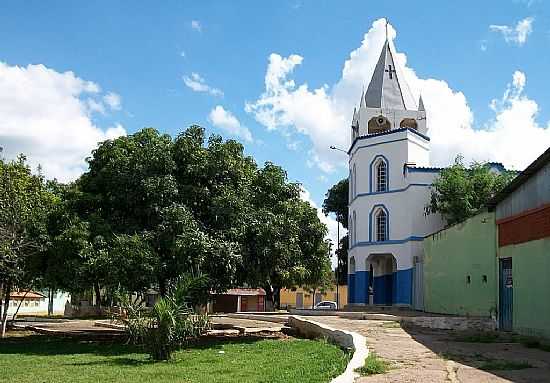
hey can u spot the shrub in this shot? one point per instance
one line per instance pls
(170, 324)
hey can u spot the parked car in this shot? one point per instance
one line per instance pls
(326, 305)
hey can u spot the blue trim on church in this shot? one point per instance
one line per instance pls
(386, 133)
(391, 191)
(412, 238)
(389, 289)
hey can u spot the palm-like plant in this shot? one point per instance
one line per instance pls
(172, 322)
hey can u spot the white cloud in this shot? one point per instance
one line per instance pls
(517, 34)
(47, 116)
(196, 83)
(226, 121)
(512, 137)
(196, 25)
(113, 100)
(182, 53)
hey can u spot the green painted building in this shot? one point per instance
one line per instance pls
(460, 268)
(522, 214)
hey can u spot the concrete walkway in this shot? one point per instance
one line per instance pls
(423, 355)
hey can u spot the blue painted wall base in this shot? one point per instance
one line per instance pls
(395, 288)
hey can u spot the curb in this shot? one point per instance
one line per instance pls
(345, 339)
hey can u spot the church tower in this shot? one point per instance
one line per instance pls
(389, 189)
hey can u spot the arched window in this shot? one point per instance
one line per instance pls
(350, 231)
(408, 123)
(381, 176)
(381, 225)
(378, 125)
(350, 187)
(354, 228)
(354, 190)
(352, 265)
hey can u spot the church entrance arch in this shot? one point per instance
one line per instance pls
(382, 282)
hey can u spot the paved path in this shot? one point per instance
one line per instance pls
(422, 355)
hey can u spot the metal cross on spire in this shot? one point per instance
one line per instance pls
(387, 21)
(390, 70)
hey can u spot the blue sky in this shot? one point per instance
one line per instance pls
(141, 52)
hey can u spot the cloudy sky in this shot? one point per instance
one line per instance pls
(282, 77)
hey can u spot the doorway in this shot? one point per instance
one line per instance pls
(299, 300)
(506, 295)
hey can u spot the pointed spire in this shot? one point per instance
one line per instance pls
(421, 105)
(387, 88)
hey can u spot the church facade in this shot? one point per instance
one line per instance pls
(390, 180)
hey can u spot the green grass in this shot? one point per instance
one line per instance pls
(374, 365)
(42, 359)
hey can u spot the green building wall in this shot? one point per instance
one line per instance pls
(467, 249)
(531, 275)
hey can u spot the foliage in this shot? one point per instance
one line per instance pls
(459, 192)
(151, 209)
(24, 206)
(171, 323)
(244, 359)
(336, 201)
(374, 365)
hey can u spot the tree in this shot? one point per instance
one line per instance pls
(132, 192)
(24, 205)
(459, 192)
(336, 202)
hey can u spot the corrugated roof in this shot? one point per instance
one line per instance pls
(244, 291)
(521, 178)
(29, 295)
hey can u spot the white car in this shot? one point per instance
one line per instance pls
(326, 305)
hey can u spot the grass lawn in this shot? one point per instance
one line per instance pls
(41, 359)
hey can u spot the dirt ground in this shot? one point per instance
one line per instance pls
(423, 355)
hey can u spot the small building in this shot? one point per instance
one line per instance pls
(522, 213)
(238, 300)
(300, 298)
(36, 303)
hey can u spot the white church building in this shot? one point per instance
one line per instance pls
(390, 181)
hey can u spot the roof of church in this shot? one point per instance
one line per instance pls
(388, 88)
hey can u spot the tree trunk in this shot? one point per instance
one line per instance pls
(277, 297)
(1, 298)
(50, 301)
(7, 292)
(97, 292)
(313, 299)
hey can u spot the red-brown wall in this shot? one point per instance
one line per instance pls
(528, 226)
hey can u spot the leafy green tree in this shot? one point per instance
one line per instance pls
(459, 192)
(133, 189)
(336, 202)
(24, 206)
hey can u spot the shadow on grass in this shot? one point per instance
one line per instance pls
(43, 345)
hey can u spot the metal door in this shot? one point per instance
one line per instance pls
(418, 286)
(299, 300)
(506, 295)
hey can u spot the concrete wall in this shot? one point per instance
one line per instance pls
(530, 268)
(451, 256)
